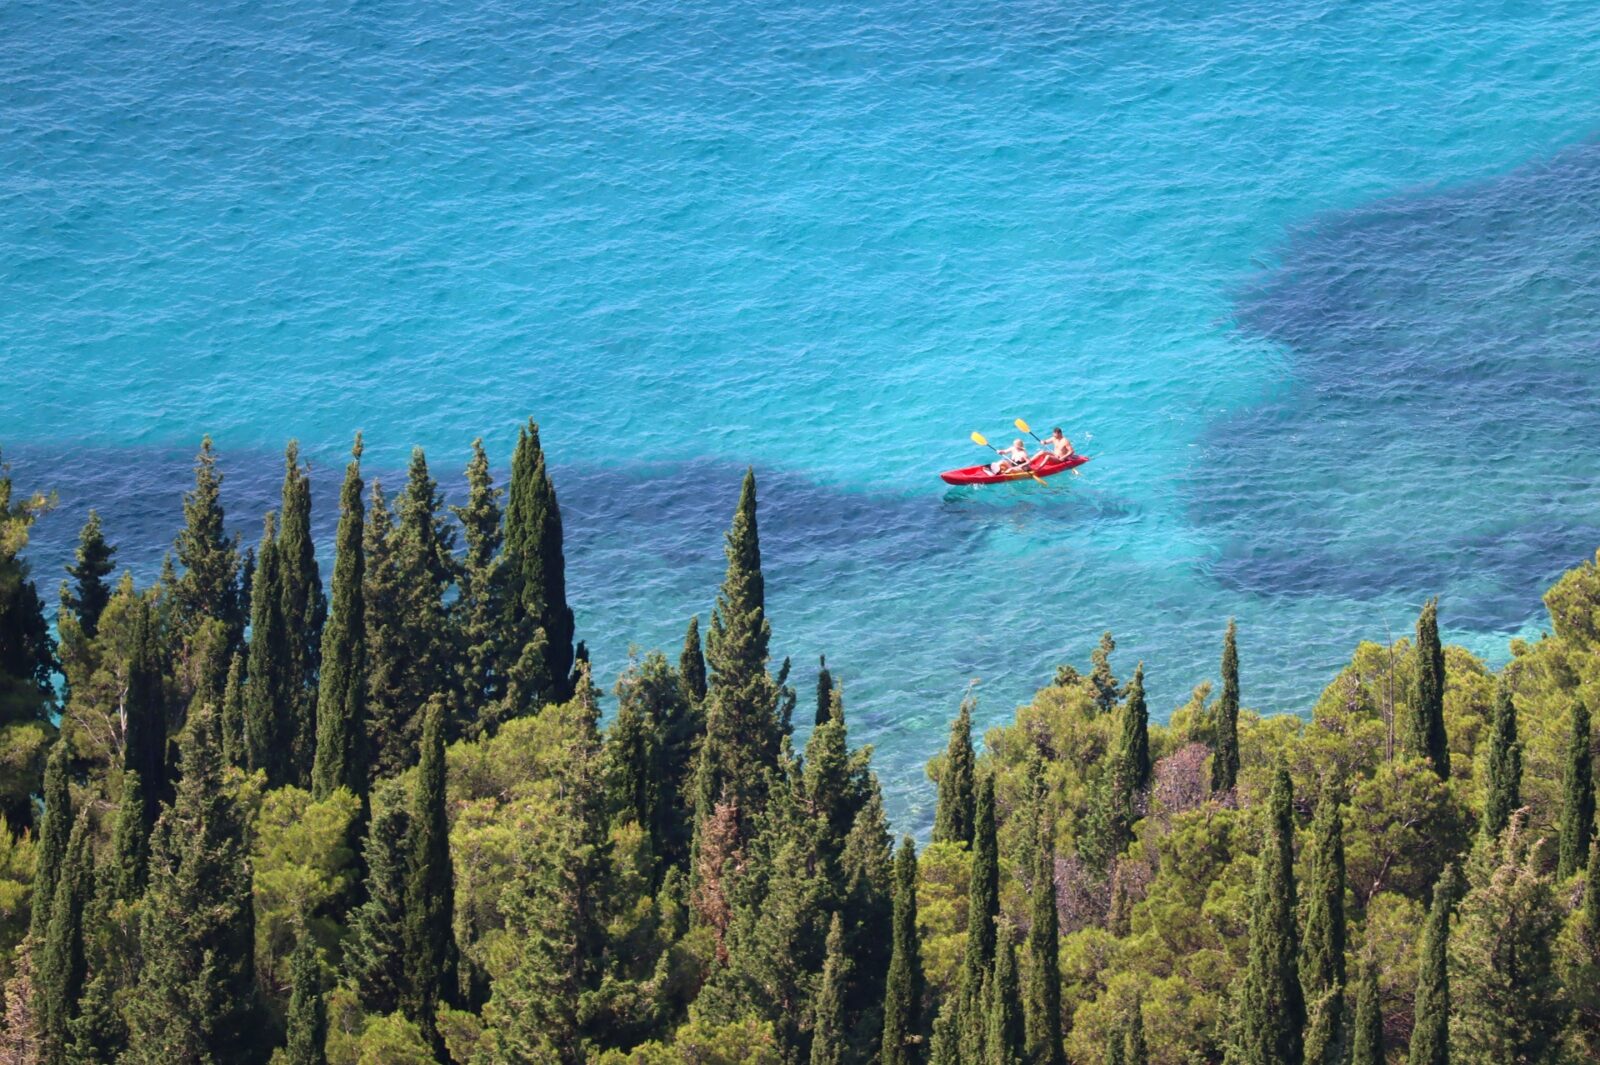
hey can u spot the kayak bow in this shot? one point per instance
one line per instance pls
(1038, 466)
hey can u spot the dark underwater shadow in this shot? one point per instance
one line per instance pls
(1441, 429)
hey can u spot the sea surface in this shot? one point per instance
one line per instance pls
(1317, 284)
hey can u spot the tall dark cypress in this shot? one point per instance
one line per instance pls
(130, 841)
(89, 593)
(1366, 1037)
(692, 662)
(210, 585)
(63, 968)
(305, 611)
(341, 759)
(268, 694)
(195, 998)
(1424, 734)
(824, 689)
(1225, 738)
(1134, 745)
(539, 620)
(956, 810)
(1503, 783)
(1271, 1011)
(903, 1020)
(828, 1045)
(234, 751)
(983, 909)
(650, 708)
(307, 1018)
(1430, 1032)
(144, 709)
(1042, 992)
(479, 607)
(742, 734)
(1134, 1049)
(430, 883)
(391, 721)
(424, 545)
(1577, 794)
(375, 961)
(1004, 1038)
(55, 829)
(1322, 971)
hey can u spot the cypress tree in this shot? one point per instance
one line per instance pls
(1225, 741)
(55, 830)
(953, 817)
(1424, 733)
(1577, 795)
(1004, 1038)
(1430, 1033)
(268, 694)
(210, 586)
(424, 545)
(1322, 971)
(341, 698)
(902, 1006)
(62, 968)
(307, 1018)
(430, 885)
(1271, 1019)
(1134, 745)
(1042, 995)
(1116, 1048)
(130, 841)
(391, 722)
(479, 605)
(1135, 1050)
(742, 733)
(89, 593)
(98, 1034)
(539, 620)
(692, 663)
(1102, 682)
(983, 909)
(650, 746)
(375, 958)
(195, 996)
(233, 731)
(1367, 1037)
(1503, 783)
(824, 689)
(828, 1034)
(304, 610)
(144, 708)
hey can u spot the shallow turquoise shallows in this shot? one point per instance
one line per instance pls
(1317, 284)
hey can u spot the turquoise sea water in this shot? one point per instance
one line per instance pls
(1316, 284)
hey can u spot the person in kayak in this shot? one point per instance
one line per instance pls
(1011, 458)
(1058, 446)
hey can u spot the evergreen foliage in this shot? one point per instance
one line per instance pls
(144, 712)
(341, 745)
(307, 1017)
(828, 1045)
(824, 689)
(89, 593)
(1135, 1051)
(1225, 733)
(1430, 1031)
(430, 946)
(692, 663)
(903, 1032)
(480, 605)
(1042, 992)
(1424, 734)
(1133, 747)
(956, 811)
(27, 662)
(1503, 783)
(62, 967)
(1367, 1029)
(1577, 794)
(130, 840)
(1322, 968)
(375, 957)
(234, 751)
(304, 611)
(55, 830)
(539, 620)
(1272, 1013)
(210, 585)
(1004, 1037)
(269, 696)
(392, 734)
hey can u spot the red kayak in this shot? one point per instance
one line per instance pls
(1038, 466)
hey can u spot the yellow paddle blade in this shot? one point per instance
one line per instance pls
(978, 438)
(1020, 424)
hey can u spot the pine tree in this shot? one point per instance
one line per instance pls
(304, 610)
(234, 751)
(1135, 1050)
(1225, 740)
(953, 817)
(1430, 1032)
(1042, 993)
(903, 1031)
(130, 841)
(1322, 971)
(1367, 1037)
(1508, 1003)
(539, 621)
(268, 693)
(742, 734)
(341, 697)
(1004, 1038)
(144, 710)
(62, 968)
(1271, 1018)
(375, 960)
(89, 593)
(430, 885)
(1577, 795)
(480, 607)
(210, 586)
(692, 663)
(1424, 734)
(824, 689)
(307, 1018)
(55, 830)
(1503, 780)
(195, 997)
(828, 1033)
